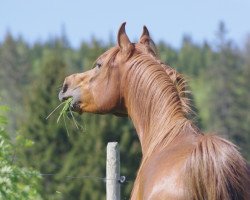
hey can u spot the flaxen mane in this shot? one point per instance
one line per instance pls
(177, 78)
(165, 93)
(181, 86)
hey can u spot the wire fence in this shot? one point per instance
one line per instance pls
(121, 180)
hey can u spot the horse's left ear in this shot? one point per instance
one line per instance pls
(145, 37)
(123, 40)
(146, 40)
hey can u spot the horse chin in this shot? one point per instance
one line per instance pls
(120, 114)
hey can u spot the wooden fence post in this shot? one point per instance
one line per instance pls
(113, 171)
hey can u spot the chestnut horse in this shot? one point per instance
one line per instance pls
(178, 160)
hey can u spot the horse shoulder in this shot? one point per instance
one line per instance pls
(162, 175)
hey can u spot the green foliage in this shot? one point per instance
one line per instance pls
(50, 140)
(224, 74)
(14, 64)
(190, 58)
(15, 182)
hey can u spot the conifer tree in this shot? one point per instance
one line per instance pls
(15, 66)
(15, 182)
(224, 95)
(244, 102)
(50, 139)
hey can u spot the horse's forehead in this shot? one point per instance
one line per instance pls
(107, 54)
(115, 53)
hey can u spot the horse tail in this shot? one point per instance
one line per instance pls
(216, 171)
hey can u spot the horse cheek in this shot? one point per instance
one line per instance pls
(107, 98)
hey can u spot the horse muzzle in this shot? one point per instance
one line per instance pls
(75, 104)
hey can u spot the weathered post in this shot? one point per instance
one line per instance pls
(113, 171)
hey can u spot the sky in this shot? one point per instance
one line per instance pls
(166, 20)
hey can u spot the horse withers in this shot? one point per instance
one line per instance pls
(179, 162)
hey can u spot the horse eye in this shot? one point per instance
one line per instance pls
(98, 65)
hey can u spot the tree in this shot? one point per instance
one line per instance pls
(14, 76)
(15, 182)
(190, 58)
(200, 86)
(167, 54)
(224, 101)
(51, 142)
(244, 103)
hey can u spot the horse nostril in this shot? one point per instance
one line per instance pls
(65, 98)
(62, 97)
(65, 88)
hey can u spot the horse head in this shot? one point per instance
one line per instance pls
(101, 89)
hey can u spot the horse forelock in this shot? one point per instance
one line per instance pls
(109, 56)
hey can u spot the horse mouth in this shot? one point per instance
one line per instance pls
(75, 106)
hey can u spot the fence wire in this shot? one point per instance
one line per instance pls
(121, 179)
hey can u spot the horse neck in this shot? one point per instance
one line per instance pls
(153, 105)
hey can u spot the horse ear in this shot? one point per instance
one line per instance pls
(145, 37)
(146, 40)
(122, 38)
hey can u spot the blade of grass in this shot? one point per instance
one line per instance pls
(77, 124)
(54, 110)
(65, 125)
(65, 108)
(74, 120)
(63, 114)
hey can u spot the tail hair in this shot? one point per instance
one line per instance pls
(216, 171)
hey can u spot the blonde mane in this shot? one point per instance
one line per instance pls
(168, 106)
(181, 86)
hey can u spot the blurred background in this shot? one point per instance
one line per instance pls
(41, 42)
